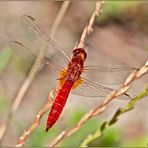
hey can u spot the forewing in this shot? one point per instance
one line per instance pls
(106, 75)
(43, 42)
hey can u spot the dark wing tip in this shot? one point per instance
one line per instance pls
(14, 43)
(137, 69)
(127, 95)
(27, 17)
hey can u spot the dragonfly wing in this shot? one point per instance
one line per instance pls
(51, 71)
(90, 89)
(49, 77)
(29, 55)
(106, 75)
(43, 42)
(22, 52)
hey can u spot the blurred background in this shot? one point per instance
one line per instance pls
(119, 39)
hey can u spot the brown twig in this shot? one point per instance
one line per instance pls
(99, 109)
(37, 119)
(34, 70)
(89, 27)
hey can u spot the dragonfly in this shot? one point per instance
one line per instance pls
(69, 73)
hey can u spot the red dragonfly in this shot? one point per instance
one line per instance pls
(70, 73)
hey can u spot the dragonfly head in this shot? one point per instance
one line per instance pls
(79, 52)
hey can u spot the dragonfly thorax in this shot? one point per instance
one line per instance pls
(76, 64)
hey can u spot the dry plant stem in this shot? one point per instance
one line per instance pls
(37, 119)
(59, 17)
(89, 27)
(25, 86)
(101, 108)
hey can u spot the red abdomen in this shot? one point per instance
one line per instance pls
(59, 104)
